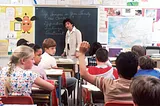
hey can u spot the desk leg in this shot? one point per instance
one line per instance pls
(59, 88)
(51, 99)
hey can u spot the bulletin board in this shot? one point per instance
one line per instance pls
(11, 29)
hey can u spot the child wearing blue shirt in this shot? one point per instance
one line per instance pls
(147, 67)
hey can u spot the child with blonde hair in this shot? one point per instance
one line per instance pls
(16, 79)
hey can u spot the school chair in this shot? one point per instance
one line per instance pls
(16, 100)
(119, 104)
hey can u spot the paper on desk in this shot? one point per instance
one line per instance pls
(91, 87)
(53, 71)
(65, 60)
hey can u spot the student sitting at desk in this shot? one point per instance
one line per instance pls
(102, 69)
(113, 90)
(92, 51)
(37, 58)
(16, 79)
(48, 61)
(139, 50)
(145, 91)
(147, 67)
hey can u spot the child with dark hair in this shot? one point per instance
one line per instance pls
(22, 42)
(92, 52)
(139, 50)
(145, 91)
(73, 39)
(147, 67)
(37, 58)
(113, 90)
(101, 69)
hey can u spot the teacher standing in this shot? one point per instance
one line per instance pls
(73, 39)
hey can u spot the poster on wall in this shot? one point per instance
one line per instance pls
(16, 22)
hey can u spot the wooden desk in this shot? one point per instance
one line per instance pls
(56, 73)
(41, 95)
(67, 64)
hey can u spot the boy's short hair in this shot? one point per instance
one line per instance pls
(126, 64)
(67, 20)
(94, 47)
(102, 55)
(146, 62)
(139, 50)
(48, 42)
(146, 91)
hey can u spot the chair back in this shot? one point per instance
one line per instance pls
(119, 104)
(16, 100)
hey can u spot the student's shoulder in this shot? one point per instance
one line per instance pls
(105, 81)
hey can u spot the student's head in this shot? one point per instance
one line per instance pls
(68, 23)
(37, 53)
(101, 55)
(22, 42)
(22, 57)
(145, 91)
(139, 50)
(49, 45)
(94, 47)
(126, 64)
(146, 62)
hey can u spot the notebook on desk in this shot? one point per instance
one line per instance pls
(53, 71)
(91, 87)
(65, 60)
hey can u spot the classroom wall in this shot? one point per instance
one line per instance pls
(127, 8)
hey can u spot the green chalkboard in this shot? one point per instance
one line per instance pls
(49, 24)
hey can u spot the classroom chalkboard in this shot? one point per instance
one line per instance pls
(49, 24)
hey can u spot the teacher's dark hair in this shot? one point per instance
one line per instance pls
(67, 20)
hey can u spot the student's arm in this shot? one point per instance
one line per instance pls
(84, 74)
(44, 84)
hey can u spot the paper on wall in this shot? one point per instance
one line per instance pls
(97, 2)
(10, 13)
(62, 2)
(3, 47)
(12, 44)
(114, 2)
(4, 29)
(11, 35)
(19, 10)
(16, 2)
(51, 2)
(74, 2)
(41, 1)
(87, 2)
(4, 1)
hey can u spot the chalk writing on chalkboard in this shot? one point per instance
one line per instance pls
(55, 27)
(50, 24)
